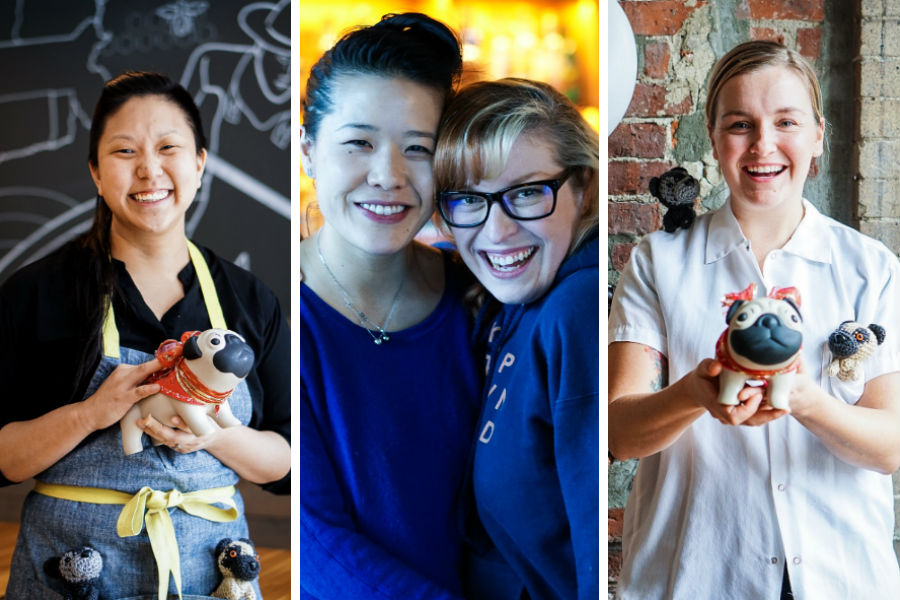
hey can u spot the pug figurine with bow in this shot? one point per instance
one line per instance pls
(199, 373)
(763, 341)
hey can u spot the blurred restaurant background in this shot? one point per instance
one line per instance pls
(555, 41)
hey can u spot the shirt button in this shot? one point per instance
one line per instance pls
(780, 487)
(774, 560)
(796, 560)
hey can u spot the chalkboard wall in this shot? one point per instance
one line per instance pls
(233, 57)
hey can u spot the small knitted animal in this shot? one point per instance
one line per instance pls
(79, 571)
(676, 190)
(239, 565)
(850, 344)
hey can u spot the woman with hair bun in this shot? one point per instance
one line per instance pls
(388, 383)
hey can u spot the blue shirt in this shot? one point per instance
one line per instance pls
(385, 432)
(536, 469)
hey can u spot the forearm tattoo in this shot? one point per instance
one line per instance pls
(659, 377)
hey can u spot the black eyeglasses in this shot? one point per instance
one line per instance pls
(523, 202)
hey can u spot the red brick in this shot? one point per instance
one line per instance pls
(620, 255)
(647, 101)
(638, 140)
(613, 565)
(658, 17)
(682, 108)
(809, 42)
(632, 217)
(656, 60)
(767, 33)
(615, 517)
(804, 10)
(633, 177)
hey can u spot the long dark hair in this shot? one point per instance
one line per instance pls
(97, 279)
(409, 45)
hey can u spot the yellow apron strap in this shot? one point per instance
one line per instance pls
(153, 506)
(110, 333)
(213, 308)
(216, 317)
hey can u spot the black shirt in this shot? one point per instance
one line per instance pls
(42, 336)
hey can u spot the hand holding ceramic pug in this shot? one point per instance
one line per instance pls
(763, 341)
(200, 372)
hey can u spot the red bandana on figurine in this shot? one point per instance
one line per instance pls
(763, 341)
(176, 379)
(199, 373)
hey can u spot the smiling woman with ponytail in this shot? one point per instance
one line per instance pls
(78, 330)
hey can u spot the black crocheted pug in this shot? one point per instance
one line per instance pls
(850, 344)
(239, 564)
(676, 190)
(79, 571)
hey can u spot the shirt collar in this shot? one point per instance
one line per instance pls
(725, 235)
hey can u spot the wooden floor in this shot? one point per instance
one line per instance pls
(274, 578)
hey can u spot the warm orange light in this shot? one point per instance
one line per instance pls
(592, 115)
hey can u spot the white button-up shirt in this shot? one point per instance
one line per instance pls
(717, 513)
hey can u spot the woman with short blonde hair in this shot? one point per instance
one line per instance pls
(516, 173)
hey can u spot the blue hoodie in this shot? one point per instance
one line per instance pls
(536, 466)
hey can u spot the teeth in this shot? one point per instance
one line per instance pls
(503, 262)
(765, 170)
(384, 209)
(151, 196)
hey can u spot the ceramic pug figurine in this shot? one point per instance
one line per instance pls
(762, 341)
(199, 373)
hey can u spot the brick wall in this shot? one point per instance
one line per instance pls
(877, 139)
(678, 42)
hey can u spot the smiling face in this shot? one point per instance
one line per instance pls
(765, 136)
(148, 169)
(517, 260)
(371, 161)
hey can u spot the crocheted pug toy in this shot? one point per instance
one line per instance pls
(239, 565)
(199, 373)
(79, 571)
(763, 341)
(676, 190)
(850, 344)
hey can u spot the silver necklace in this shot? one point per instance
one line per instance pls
(378, 333)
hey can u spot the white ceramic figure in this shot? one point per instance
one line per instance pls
(198, 375)
(762, 342)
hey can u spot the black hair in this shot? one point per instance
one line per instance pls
(98, 277)
(409, 45)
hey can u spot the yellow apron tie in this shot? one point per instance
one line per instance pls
(152, 505)
(207, 287)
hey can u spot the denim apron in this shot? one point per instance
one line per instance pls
(51, 526)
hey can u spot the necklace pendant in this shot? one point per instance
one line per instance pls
(378, 341)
